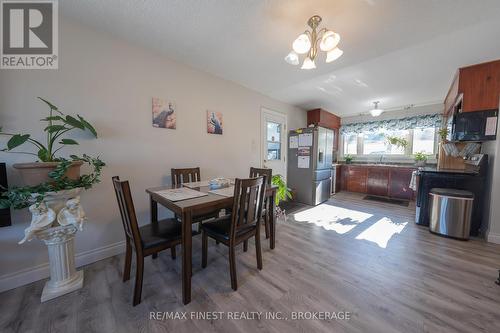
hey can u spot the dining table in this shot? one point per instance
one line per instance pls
(199, 206)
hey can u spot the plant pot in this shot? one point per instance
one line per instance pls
(37, 173)
(420, 163)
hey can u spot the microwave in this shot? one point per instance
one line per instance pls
(475, 126)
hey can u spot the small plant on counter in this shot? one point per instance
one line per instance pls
(283, 193)
(443, 134)
(420, 158)
(396, 141)
(348, 158)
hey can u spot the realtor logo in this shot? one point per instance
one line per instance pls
(29, 34)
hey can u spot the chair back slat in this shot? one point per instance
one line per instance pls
(247, 206)
(185, 175)
(127, 211)
(257, 172)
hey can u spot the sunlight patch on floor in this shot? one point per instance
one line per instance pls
(382, 231)
(340, 220)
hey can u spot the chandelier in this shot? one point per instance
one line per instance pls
(309, 41)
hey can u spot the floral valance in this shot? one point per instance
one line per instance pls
(429, 120)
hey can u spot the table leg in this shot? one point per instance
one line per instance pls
(154, 217)
(154, 210)
(272, 221)
(187, 238)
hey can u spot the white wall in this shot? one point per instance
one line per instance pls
(111, 83)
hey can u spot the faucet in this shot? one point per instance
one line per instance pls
(381, 158)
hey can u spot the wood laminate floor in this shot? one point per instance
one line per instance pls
(349, 254)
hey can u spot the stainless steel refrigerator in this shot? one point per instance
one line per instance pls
(310, 163)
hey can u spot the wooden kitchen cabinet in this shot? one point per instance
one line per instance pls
(323, 118)
(399, 184)
(356, 181)
(384, 181)
(378, 181)
(478, 86)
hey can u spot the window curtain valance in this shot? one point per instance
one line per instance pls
(429, 120)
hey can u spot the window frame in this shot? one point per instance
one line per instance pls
(406, 157)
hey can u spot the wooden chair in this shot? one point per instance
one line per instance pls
(146, 240)
(186, 175)
(268, 173)
(241, 225)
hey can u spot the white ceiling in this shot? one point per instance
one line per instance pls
(399, 52)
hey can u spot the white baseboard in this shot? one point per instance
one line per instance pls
(493, 238)
(26, 276)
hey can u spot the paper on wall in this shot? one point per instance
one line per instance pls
(305, 139)
(294, 141)
(491, 126)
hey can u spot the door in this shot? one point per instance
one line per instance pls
(273, 141)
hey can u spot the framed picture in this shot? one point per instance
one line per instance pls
(214, 122)
(164, 115)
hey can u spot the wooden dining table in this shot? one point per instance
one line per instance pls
(189, 208)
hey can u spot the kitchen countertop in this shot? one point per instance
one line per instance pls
(436, 170)
(384, 165)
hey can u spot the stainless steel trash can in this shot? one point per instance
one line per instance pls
(450, 212)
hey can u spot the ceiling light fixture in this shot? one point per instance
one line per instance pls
(309, 41)
(375, 112)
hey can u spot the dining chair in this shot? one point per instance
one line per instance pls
(257, 172)
(146, 240)
(187, 175)
(240, 226)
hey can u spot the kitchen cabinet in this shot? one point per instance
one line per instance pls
(323, 118)
(477, 86)
(379, 180)
(356, 179)
(399, 184)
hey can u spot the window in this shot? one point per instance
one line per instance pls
(423, 140)
(375, 143)
(351, 144)
(273, 141)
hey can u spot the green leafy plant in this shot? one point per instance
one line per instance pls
(57, 125)
(348, 158)
(283, 191)
(22, 197)
(420, 157)
(443, 133)
(397, 141)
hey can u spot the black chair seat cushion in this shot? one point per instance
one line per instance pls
(219, 229)
(165, 231)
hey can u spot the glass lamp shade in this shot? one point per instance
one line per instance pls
(333, 54)
(302, 44)
(292, 58)
(329, 41)
(376, 112)
(308, 64)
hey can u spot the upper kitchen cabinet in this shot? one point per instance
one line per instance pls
(323, 118)
(476, 88)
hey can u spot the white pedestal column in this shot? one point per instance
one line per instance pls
(63, 276)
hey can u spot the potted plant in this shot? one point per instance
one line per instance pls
(283, 193)
(397, 141)
(420, 159)
(56, 126)
(348, 158)
(51, 191)
(443, 134)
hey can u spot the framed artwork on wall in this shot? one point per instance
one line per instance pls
(164, 114)
(214, 122)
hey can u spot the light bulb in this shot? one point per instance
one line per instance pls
(292, 58)
(308, 64)
(302, 44)
(334, 54)
(329, 41)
